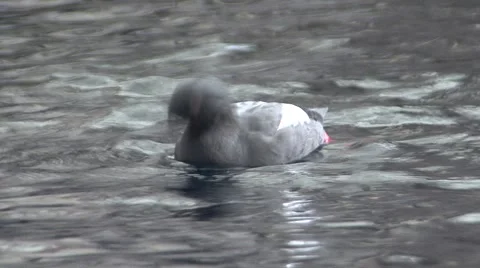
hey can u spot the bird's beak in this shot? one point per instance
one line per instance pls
(327, 138)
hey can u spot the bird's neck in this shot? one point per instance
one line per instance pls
(211, 117)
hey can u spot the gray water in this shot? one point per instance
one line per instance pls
(86, 169)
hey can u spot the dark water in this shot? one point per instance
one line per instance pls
(86, 172)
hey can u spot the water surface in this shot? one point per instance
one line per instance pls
(86, 167)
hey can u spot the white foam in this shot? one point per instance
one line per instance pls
(366, 83)
(27, 125)
(147, 87)
(384, 116)
(324, 44)
(205, 51)
(438, 139)
(446, 82)
(472, 112)
(135, 117)
(82, 81)
(147, 147)
(468, 218)
(465, 184)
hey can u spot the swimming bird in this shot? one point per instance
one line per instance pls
(221, 133)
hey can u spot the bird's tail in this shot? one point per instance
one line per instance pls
(317, 114)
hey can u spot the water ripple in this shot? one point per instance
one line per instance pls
(86, 163)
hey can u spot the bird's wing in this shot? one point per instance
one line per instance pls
(269, 117)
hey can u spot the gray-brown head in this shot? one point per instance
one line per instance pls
(202, 101)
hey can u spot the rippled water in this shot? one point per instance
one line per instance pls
(87, 174)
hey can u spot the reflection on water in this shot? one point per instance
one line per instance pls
(300, 246)
(86, 167)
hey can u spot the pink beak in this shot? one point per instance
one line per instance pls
(327, 138)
